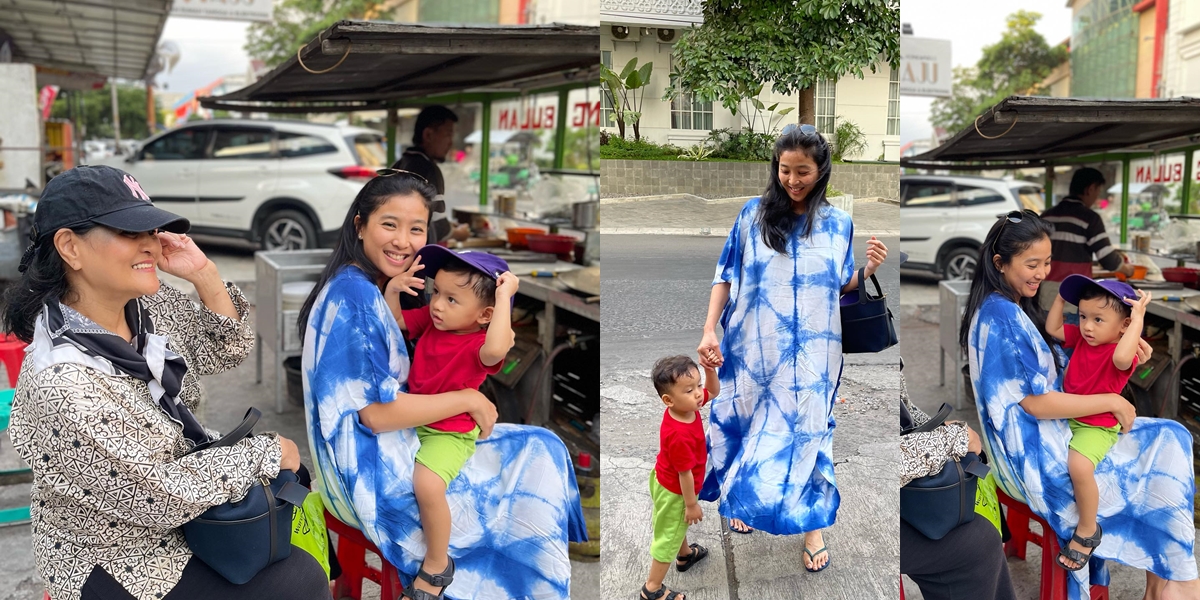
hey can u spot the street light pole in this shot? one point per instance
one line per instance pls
(112, 85)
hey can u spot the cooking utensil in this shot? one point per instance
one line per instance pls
(585, 215)
(1187, 276)
(542, 274)
(562, 245)
(585, 281)
(1156, 285)
(518, 236)
(1193, 302)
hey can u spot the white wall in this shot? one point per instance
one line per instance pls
(21, 127)
(863, 101)
(575, 12)
(1181, 52)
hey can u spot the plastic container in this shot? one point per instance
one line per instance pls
(517, 236)
(562, 245)
(1186, 276)
(295, 293)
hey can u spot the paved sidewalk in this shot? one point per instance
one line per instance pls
(684, 214)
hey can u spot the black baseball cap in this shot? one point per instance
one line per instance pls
(103, 195)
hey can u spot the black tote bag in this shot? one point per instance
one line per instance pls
(867, 324)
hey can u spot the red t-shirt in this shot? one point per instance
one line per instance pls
(680, 448)
(1091, 371)
(445, 362)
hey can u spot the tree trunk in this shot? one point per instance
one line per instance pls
(808, 106)
(637, 134)
(621, 126)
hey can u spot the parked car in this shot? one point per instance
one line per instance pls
(944, 218)
(284, 184)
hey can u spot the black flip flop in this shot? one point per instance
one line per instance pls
(749, 530)
(1076, 556)
(649, 595)
(696, 555)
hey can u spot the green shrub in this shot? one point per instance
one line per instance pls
(639, 150)
(742, 145)
(848, 140)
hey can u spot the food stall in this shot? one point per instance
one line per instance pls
(1042, 133)
(551, 376)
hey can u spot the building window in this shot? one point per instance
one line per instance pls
(687, 112)
(826, 105)
(893, 122)
(606, 106)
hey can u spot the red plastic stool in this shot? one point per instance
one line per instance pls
(12, 352)
(352, 547)
(901, 588)
(1054, 577)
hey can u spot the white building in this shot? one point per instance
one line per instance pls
(1181, 51)
(648, 30)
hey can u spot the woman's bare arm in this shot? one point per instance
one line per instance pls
(412, 410)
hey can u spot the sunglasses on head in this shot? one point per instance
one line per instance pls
(1015, 216)
(390, 172)
(806, 129)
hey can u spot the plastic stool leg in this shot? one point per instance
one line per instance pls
(1018, 527)
(353, 560)
(902, 588)
(391, 587)
(1099, 592)
(1054, 577)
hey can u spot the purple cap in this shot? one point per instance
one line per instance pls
(435, 257)
(1073, 286)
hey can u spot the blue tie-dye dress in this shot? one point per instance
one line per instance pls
(770, 432)
(1146, 481)
(515, 504)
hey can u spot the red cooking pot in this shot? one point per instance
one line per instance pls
(1187, 276)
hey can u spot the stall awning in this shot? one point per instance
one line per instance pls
(1029, 131)
(370, 64)
(111, 38)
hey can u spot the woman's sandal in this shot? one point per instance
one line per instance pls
(812, 557)
(655, 595)
(1076, 556)
(441, 580)
(696, 555)
(747, 531)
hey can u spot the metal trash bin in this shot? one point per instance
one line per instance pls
(953, 302)
(276, 327)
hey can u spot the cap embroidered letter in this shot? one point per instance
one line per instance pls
(135, 187)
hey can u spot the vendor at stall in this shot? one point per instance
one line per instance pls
(1079, 235)
(433, 136)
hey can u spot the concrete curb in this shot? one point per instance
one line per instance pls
(713, 231)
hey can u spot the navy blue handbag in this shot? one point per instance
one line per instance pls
(936, 504)
(866, 321)
(239, 539)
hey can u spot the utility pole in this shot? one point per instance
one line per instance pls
(112, 85)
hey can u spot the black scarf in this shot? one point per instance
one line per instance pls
(147, 354)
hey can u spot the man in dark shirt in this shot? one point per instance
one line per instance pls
(1079, 235)
(433, 136)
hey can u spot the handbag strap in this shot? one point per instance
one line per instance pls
(238, 434)
(933, 423)
(864, 295)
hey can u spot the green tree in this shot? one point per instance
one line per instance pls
(790, 43)
(95, 122)
(297, 22)
(1017, 64)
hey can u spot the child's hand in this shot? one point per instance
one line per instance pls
(693, 514)
(407, 282)
(1139, 305)
(506, 285)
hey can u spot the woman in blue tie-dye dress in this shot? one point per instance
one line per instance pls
(515, 504)
(1146, 481)
(788, 259)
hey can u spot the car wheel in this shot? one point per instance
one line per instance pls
(287, 230)
(959, 264)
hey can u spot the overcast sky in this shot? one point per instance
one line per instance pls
(969, 25)
(208, 49)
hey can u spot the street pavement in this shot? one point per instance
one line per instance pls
(656, 291)
(919, 344)
(226, 398)
(685, 214)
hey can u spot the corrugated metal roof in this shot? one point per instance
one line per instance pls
(113, 38)
(382, 61)
(1029, 130)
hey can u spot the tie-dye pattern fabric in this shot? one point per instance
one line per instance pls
(771, 428)
(514, 506)
(1146, 481)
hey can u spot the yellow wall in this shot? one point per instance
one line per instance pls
(510, 12)
(1145, 60)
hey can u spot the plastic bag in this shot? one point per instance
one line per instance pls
(308, 530)
(986, 502)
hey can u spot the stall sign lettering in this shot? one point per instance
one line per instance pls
(1163, 173)
(542, 117)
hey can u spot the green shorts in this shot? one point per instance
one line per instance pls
(669, 522)
(1092, 441)
(445, 452)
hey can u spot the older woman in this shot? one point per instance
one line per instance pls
(789, 257)
(104, 401)
(514, 506)
(1146, 481)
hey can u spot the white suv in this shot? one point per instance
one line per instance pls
(944, 218)
(284, 184)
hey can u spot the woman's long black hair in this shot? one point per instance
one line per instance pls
(1008, 240)
(43, 279)
(776, 217)
(348, 249)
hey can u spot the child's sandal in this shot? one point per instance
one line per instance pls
(696, 555)
(1076, 556)
(655, 595)
(441, 580)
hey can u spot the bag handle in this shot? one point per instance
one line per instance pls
(864, 295)
(238, 434)
(933, 423)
